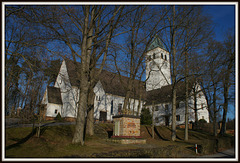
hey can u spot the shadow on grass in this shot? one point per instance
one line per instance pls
(158, 134)
(148, 131)
(176, 133)
(21, 141)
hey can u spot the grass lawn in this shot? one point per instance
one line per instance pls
(55, 142)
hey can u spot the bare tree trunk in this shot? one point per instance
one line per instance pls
(195, 108)
(174, 115)
(133, 106)
(78, 136)
(174, 97)
(153, 110)
(225, 109)
(40, 120)
(126, 100)
(186, 98)
(139, 104)
(90, 114)
(80, 127)
(214, 112)
(226, 92)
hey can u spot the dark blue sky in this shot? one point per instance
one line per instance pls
(223, 17)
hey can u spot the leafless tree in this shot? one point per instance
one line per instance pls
(228, 71)
(210, 82)
(24, 78)
(141, 26)
(86, 31)
(188, 30)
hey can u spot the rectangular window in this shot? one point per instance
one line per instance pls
(178, 117)
(156, 120)
(154, 56)
(202, 117)
(112, 107)
(98, 98)
(157, 108)
(166, 57)
(56, 111)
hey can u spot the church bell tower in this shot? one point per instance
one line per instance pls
(157, 65)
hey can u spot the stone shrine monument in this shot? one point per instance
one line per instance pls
(126, 130)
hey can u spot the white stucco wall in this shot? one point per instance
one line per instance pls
(202, 111)
(108, 101)
(50, 112)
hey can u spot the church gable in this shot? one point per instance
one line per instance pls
(63, 80)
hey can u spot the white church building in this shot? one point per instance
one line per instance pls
(110, 92)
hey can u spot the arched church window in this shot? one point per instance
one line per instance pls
(154, 56)
(162, 55)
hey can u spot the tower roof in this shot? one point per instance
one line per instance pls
(156, 43)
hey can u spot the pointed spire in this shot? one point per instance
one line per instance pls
(156, 43)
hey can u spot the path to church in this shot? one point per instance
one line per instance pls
(230, 153)
(14, 123)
